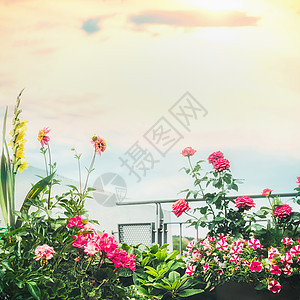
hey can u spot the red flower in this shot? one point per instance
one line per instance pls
(282, 211)
(214, 156)
(274, 286)
(244, 203)
(221, 164)
(256, 266)
(179, 207)
(266, 192)
(42, 136)
(275, 270)
(188, 151)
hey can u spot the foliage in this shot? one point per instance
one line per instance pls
(160, 275)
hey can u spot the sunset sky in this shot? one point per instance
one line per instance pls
(117, 69)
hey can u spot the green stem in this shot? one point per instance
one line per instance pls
(198, 183)
(51, 170)
(89, 172)
(46, 166)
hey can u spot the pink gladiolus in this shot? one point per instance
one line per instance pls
(282, 211)
(244, 203)
(190, 270)
(266, 192)
(274, 270)
(43, 251)
(179, 207)
(214, 156)
(188, 151)
(75, 221)
(274, 286)
(256, 266)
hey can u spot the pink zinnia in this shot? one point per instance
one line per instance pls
(274, 286)
(42, 136)
(256, 266)
(43, 251)
(179, 207)
(244, 203)
(188, 151)
(274, 270)
(221, 164)
(75, 221)
(190, 270)
(266, 192)
(99, 144)
(282, 211)
(214, 156)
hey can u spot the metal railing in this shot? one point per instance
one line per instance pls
(160, 227)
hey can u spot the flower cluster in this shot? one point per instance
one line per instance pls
(93, 243)
(45, 252)
(222, 259)
(179, 207)
(218, 161)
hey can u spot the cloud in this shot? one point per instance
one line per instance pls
(91, 26)
(198, 18)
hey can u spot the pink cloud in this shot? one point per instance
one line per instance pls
(195, 18)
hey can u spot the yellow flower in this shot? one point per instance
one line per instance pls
(24, 165)
(20, 151)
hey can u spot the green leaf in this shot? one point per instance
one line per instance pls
(34, 290)
(174, 276)
(190, 292)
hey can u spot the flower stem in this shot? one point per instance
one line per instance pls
(89, 172)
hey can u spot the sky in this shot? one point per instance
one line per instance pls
(151, 78)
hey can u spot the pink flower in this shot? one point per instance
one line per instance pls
(179, 207)
(222, 245)
(234, 259)
(244, 203)
(237, 248)
(91, 248)
(298, 178)
(43, 251)
(287, 270)
(206, 267)
(188, 151)
(221, 164)
(121, 259)
(191, 245)
(108, 244)
(99, 144)
(220, 236)
(211, 239)
(295, 250)
(266, 192)
(190, 270)
(256, 266)
(287, 259)
(287, 241)
(75, 221)
(214, 156)
(282, 211)
(254, 243)
(274, 286)
(42, 136)
(272, 252)
(274, 270)
(220, 271)
(196, 255)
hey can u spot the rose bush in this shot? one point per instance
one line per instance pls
(237, 247)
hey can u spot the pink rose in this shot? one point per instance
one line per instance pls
(274, 286)
(188, 151)
(282, 211)
(214, 156)
(256, 266)
(244, 203)
(179, 207)
(266, 192)
(43, 251)
(221, 164)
